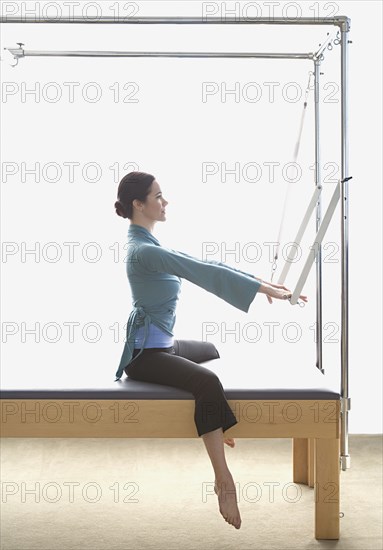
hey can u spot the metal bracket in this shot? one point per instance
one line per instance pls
(345, 404)
(345, 462)
(343, 22)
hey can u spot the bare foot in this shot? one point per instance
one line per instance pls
(229, 441)
(227, 498)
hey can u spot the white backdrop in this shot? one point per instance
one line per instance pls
(72, 128)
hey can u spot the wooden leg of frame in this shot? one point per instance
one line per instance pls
(300, 460)
(327, 488)
(311, 462)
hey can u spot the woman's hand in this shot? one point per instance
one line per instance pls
(279, 292)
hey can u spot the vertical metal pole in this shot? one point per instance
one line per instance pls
(345, 401)
(318, 221)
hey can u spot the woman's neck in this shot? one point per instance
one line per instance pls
(147, 225)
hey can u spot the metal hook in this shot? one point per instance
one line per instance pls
(273, 269)
(14, 57)
(300, 303)
(310, 85)
(329, 46)
(17, 53)
(337, 40)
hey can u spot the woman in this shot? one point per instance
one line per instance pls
(151, 354)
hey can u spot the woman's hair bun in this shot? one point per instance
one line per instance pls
(120, 209)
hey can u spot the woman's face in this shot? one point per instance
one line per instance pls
(154, 207)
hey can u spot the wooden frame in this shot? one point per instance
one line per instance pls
(314, 426)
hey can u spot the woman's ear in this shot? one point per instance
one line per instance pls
(137, 204)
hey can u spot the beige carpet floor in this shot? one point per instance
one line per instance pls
(112, 494)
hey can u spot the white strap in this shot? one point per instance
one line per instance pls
(315, 247)
(292, 252)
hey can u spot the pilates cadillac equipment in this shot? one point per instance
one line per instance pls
(167, 412)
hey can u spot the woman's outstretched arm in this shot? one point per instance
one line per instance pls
(278, 292)
(235, 287)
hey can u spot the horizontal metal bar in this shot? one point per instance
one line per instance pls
(340, 20)
(315, 247)
(18, 52)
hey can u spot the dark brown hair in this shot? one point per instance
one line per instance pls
(135, 185)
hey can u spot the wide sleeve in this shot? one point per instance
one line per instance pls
(221, 264)
(236, 288)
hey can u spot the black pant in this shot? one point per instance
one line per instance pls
(178, 366)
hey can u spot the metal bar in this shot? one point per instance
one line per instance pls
(340, 20)
(313, 250)
(319, 336)
(345, 457)
(292, 252)
(17, 52)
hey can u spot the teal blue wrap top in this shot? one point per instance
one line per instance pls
(155, 273)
